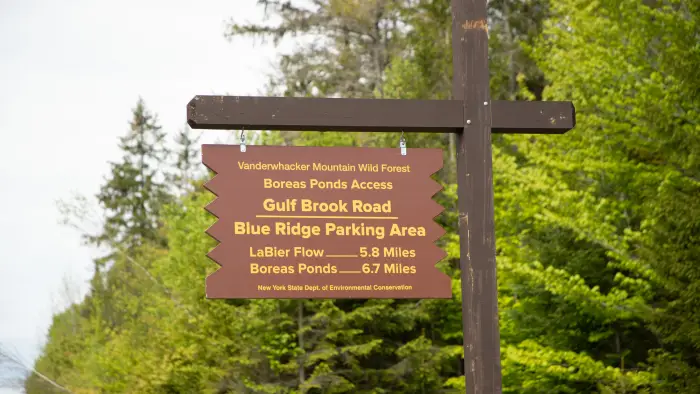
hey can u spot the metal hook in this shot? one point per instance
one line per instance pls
(402, 144)
(242, 140)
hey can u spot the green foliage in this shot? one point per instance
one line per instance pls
(133, 196)
(629, 175)
(186, 163)
(598, 231)
(349, 44)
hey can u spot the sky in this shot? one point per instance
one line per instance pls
(70, 73)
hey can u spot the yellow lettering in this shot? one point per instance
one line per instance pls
(245, 228)
(359, 206)
(388, 168)
(286, 228)
(316, 184)
(403, 231)
(271, 184)
(288, 205)
(271, 269)
(312, 206)
(371, 185)
(398, 268)
(317, 269)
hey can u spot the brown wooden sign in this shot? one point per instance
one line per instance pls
(313, 222)
(471, 114)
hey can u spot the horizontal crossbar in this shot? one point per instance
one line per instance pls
(338, 114)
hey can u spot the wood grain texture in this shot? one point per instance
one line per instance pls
(337, 114)
(482, 366)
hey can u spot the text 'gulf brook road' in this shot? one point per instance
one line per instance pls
(317, 222)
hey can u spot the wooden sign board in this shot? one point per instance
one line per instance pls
(317, 222)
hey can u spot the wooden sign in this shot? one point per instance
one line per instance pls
(471, 114)
(314, 222)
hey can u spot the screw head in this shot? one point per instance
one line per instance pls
(469, 121)
(486, 103)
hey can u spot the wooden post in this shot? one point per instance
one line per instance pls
(482, 364)
(473, 116)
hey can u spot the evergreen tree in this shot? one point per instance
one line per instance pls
(135, 193)
(597, 231)
(186, 161)
(132, 200)
(350, 44)
(629, 175)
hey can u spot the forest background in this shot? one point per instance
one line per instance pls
(598, 231)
